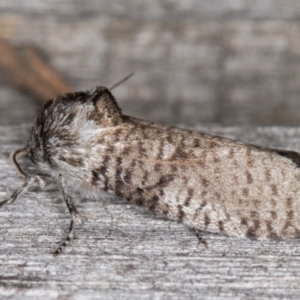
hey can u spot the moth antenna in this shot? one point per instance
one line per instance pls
(120, 82)
(14, 157)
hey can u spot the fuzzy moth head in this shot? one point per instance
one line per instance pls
(66, 122)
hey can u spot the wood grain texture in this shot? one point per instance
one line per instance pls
(230, 62)
(128, 253)
(235, 62)
(160, 9)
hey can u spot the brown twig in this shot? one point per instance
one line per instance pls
(27, 70)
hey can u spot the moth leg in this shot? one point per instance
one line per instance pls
(199, 237)
(43, 183)
(75, 216)
(20, 191)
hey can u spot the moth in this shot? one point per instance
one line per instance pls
(208, 183)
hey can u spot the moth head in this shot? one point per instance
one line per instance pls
(57, 124)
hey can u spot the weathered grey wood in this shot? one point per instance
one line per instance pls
(231, 62)
(16, 107)
(128, 253)
(159, 9)
(212, 61)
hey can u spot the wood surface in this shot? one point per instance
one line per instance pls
(226, 62)
(127, 253)
(229, 62)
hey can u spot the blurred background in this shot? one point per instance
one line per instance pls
(230, 62)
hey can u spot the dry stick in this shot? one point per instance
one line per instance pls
(31, 74)
(27, 70)
(45, 72)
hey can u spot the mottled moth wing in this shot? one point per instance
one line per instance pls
(208, 183)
